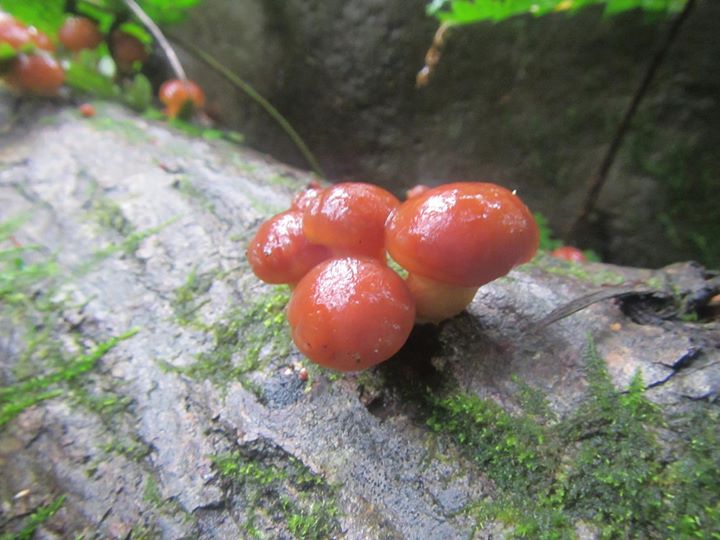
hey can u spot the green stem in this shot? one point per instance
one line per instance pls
(257, 98)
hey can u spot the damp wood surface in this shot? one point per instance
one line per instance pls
(150, 388)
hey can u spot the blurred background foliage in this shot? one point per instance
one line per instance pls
(471, 11)
(535, 110)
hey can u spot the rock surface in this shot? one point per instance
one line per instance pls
(198, 424)
(532, 102)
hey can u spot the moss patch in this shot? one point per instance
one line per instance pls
(188, 298)
(580, 271)
(243, 340)
(125, 128)
(185, 186)
(35, 520)
(278, 494)
(29, 283)
(602, 465)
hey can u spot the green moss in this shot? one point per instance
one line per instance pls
(601, 465)
(151, 492)
(128, 446)
(108, 215)
(185, 186)
(278, 491)
(128, 246)
(17, 397)
(43, 368)
(127, 129)
(105, 403)
(35, 520)
(583, 272)
(283, 181)
(187, 298)
(689, 484)
(243, 340)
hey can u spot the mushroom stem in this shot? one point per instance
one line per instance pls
(436, 301)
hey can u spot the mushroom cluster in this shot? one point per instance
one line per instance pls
(349, 310)
(29, 62)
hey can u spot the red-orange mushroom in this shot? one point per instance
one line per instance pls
(37, 73)
(350, 218)
(280, 253)
(305, 199)
(416, 190)
(454, 238)
(78, 33)
(126, 50)
(350, 313)
(569, 253)
(22, 37)
(180, 97)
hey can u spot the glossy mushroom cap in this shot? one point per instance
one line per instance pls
(126, 49)
(37, 73)
(280, 253)
(569, 253)
(464, 234)
(178, 96)
(78, 33)
(350, 313)
(350, 218)
(303, 200)
(20, 36)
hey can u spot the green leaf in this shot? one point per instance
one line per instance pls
(137, 31)
(139, 94)
(83, 74)
(46, 15)
(167, 11)
(471, 11)
(99, 14)
(7, 52)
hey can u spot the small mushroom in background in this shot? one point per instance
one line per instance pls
(569, 253)
(38, 73)
(181, 97)
(454, 238)
(78, 33)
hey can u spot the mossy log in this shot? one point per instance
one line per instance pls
(150, 388)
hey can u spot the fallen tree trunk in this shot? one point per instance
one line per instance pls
(151, 389)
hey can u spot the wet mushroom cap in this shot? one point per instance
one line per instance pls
(280, 253)
(464, 234)
(569, 253)
(350, 218)
(177, 94)
(20, 36)
(37, 73)
(350, 313)
(78, 33)
(305, 199)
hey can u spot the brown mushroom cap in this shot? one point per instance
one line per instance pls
(349, 217)
(280, 253)
(464, 234)
(351, 313)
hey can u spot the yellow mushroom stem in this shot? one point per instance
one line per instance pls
(436, 301)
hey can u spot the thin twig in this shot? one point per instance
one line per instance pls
(598, 179)
(257, 98)
(584, 301)
(154, 29)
